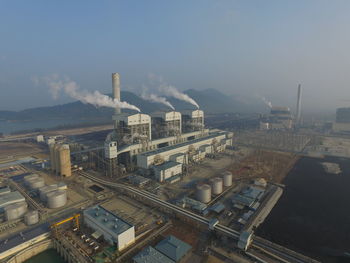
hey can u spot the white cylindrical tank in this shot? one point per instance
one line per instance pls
(216, 184)
(36, 183)
(227, 176)
(29, 178)
(15, 211)
(203, 193)
(31, 218)
(46, 189)
(56, 199)
(65, 163)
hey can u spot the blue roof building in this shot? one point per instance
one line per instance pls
(173, 248)
(151, 255)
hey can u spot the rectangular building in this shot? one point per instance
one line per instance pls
(167, 171)
(114, 230)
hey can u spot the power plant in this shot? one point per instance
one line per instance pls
(107, 196)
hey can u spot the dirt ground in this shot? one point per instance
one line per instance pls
(273, 166)
(12, 150)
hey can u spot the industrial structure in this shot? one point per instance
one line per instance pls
(113, 229)
(139, 140)
(60, 159)
(342, 122)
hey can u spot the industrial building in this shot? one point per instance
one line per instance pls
(113, 229)
(151, 255)
(280, 118)
(168, 171)
(342, 123)
(173, 248)
(142, 140)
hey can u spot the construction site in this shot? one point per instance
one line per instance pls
(133, 191)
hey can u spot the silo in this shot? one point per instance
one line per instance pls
(57, 158)
(65, 165)
(203, 193)
(15, 211)
(31, 218)
(227, 178)
(46, 189)
(56, 199)
(216, 184)
(52, 157)
(36, 183)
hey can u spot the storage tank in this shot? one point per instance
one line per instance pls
(15, 211)
(30, 177)
(65, 164)
(31, 218)
(216, 184)
(203, 193)
(62, 186)
(56, 199)
(45, 190)
(227, 176)
(36, 183)
(52, 157)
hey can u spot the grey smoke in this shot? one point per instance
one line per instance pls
(71, 88)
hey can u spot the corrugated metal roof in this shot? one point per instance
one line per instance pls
(106, 219)
(173, 248)
(151, 255)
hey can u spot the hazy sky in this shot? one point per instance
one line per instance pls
(240, 47)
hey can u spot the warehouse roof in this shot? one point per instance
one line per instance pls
(107, 220)
(151, 255)
(10, 198)
(173, 248)
(253, 192)
(218, 207)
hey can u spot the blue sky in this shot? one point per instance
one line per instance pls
(242, 47)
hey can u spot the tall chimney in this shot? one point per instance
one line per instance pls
(298, 105)
(116, 89)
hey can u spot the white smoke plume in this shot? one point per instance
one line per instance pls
(156, 98)
(71, 88)
(267, 102)
(171, 91)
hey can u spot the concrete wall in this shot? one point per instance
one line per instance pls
(24, 245)
(126, 238)
(31, 251)
(168, 173)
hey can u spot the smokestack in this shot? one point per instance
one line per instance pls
(116, 89)
(298, 105)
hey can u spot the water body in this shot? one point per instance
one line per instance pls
(7, 127)
(313, 215)
(48, 256)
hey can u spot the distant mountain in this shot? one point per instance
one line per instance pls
(210, 100)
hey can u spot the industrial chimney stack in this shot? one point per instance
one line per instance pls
(116, 89)
(298, 106)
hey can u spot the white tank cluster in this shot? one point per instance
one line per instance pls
(34, 181)
(31, 218)
(15, 211)
(217, 185)
(203, 193)
(227, 176)
(56, 199)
